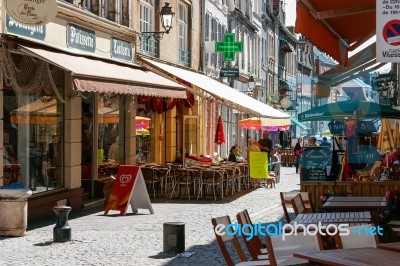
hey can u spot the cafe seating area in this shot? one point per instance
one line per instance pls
(205, 181)
(359, 247)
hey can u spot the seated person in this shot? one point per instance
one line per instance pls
(234, 154)
(390, 159)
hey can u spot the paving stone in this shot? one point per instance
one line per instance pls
(138, 239)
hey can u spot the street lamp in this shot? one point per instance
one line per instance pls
(166, 14)
(251, 83)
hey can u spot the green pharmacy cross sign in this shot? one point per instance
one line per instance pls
(229, 47)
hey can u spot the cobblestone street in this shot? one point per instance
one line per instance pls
(138, 239)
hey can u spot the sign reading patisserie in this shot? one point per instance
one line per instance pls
(32, 12)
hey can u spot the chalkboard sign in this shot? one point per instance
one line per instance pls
(316, 164)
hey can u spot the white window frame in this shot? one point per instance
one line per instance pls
(147, 24)
(183, 36)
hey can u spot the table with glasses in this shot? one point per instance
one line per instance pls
(352, 257)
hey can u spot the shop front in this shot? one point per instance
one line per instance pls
(212, 99)
(69, 109)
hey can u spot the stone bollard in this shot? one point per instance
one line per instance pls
(62, 230)
(14, 211)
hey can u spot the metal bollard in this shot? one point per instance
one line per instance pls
(62, 230)
(174, 237)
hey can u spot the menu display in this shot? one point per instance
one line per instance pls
(315, 164)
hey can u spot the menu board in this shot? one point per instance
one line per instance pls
(316, 164)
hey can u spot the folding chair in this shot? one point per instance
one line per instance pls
(225, 220)
(362, 239)
(254, 245)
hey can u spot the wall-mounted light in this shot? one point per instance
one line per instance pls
(166, 15)
(251, 83)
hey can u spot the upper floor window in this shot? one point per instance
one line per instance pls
(183, 34)
(114, 10)
(147, 24)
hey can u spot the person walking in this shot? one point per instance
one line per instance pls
(252, 147)
(265, 143)
(312, 142)
(325, 142)
(297, 152)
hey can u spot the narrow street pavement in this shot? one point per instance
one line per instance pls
(138, 239)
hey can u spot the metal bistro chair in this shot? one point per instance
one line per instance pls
(150, 178)
(211, 179)
(183, 177)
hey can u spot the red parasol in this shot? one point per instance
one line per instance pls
(219, 133)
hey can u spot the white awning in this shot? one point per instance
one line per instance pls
(92, 74)
(227, 95)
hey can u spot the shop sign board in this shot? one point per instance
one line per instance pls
(387, 31)
(121, 49)
(32, 12)
(258, 164)
(316, 163)
(229, 72)
(129, 189)
(81, 38)
(32, 31)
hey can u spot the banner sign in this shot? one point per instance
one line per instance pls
(258, 164)
(35, 32)
(129, 189)
(121, 49)
(387, 31)
(315, 163)
(229, 72)
(81, 38)
(32, 12)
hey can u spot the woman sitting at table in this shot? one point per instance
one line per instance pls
(234, 154)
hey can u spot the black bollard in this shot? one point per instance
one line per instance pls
(174, 237)
(62, 230)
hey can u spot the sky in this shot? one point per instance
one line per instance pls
(290, 8)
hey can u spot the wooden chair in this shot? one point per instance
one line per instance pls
(280, 250)
(225, 220)
(298, 204)
(362, 239)
(254, 245)
(308, 202)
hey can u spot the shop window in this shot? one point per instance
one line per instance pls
(33, 141)
(92, 6)
(143, 136)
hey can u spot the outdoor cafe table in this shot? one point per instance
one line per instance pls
(356, 199)
(395, 246)
(332, 218)
(352, 257)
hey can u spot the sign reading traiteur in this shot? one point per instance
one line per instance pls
(229, 47)
(32, 12)
(388, 30)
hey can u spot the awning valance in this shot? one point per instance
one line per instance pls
(298, 123)
(285, 46)
(336, 27)
(90, 74)
(227, 95)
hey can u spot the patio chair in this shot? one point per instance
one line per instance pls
(255, 247)
(225, 220)
(211, 179)
(150, 179)
(298, 204)
(183, 177)
(362, 239)
(280, 251)
(232, 179)
(286, 202)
